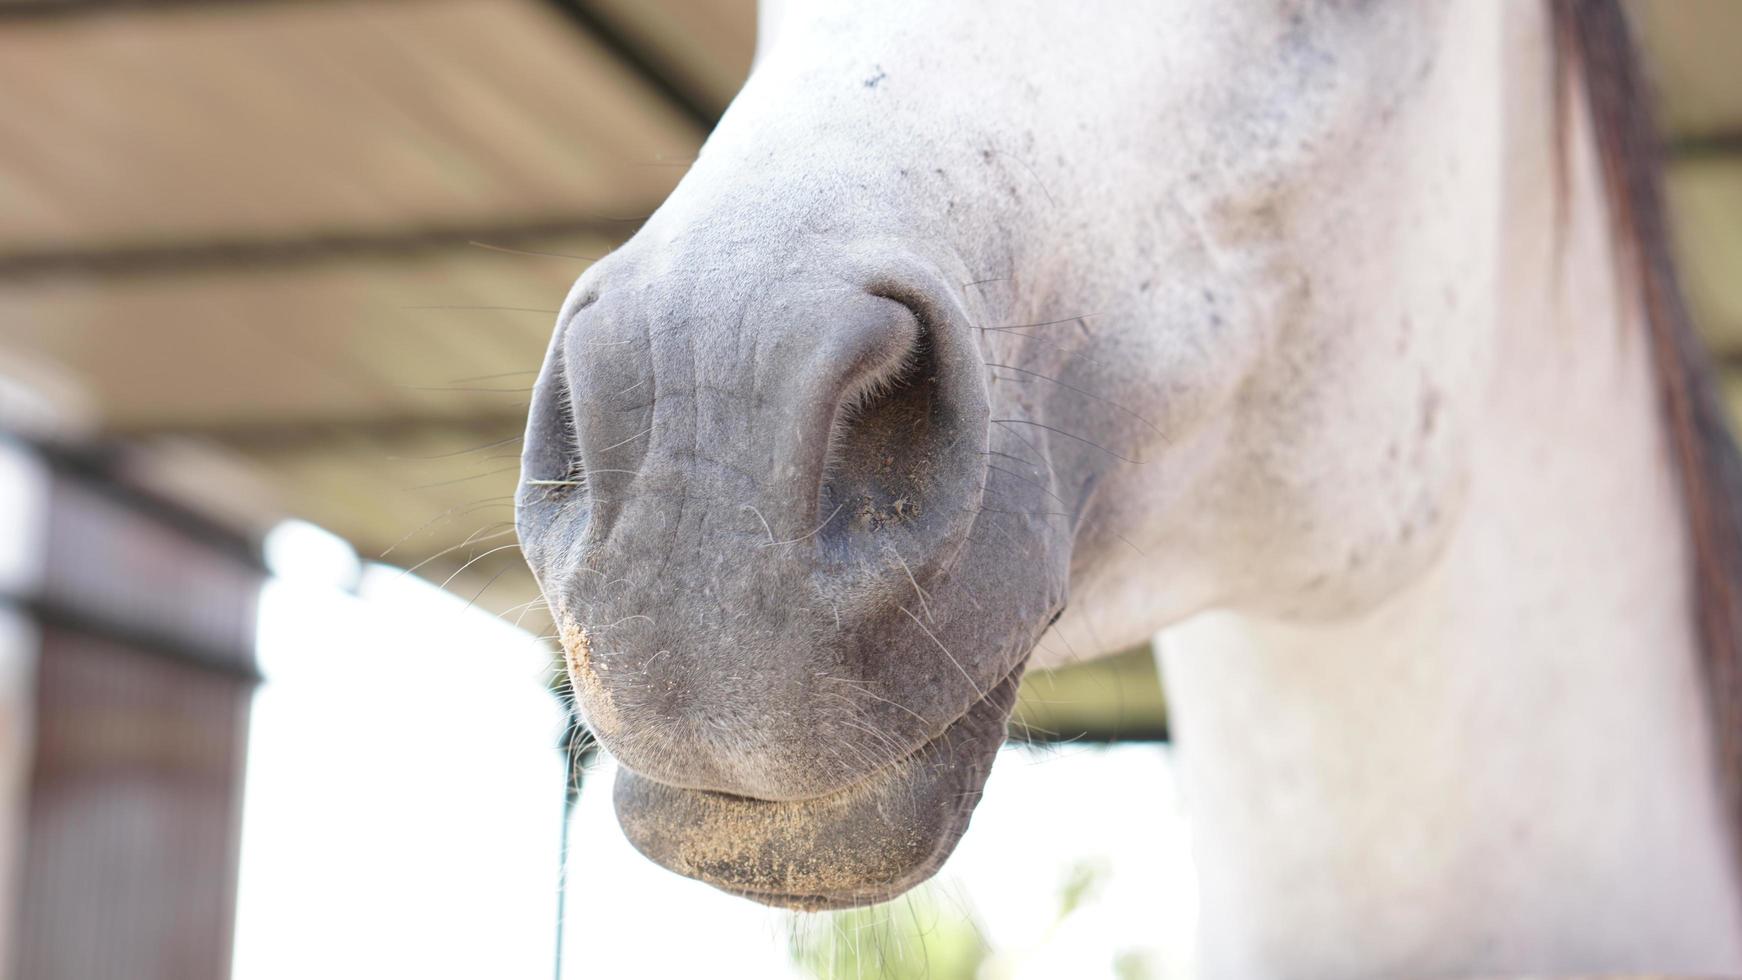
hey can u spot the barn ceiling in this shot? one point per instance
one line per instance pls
(309, 252)
(323, 240)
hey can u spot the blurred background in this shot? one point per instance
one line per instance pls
(275, 277)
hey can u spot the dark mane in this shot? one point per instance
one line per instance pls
(1595, 50)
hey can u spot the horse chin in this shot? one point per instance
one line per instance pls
(867, 843)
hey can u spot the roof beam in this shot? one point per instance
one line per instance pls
(56, 9)
(1704, 146)
(280, 436)
(644, 64)
(314, 248)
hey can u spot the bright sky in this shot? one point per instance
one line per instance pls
(403, 814)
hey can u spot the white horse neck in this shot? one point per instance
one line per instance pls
(1507, 767)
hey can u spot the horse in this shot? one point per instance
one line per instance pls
(1336, 343)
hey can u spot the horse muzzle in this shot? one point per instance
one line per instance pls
(867, 843)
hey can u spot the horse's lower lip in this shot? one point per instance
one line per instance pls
(868, 842)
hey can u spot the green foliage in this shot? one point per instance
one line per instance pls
(1080, 885)
(916, 937)
(1135, 964)
(920, 937)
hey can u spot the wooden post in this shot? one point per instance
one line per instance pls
(133, 632)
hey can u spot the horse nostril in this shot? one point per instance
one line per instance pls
(564, 472)
(901, 466)
(883, 444)
(551, 470)
(844, 419)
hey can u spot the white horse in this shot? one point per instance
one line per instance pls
(1337, 340)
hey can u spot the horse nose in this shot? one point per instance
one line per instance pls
(840, 417)
(722, 486)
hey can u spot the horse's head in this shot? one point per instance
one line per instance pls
(962, 311)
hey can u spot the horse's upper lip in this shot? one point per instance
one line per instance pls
(867, 842)
(865, 777)
(953, 724)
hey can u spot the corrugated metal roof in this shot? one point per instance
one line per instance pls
(327, 238)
